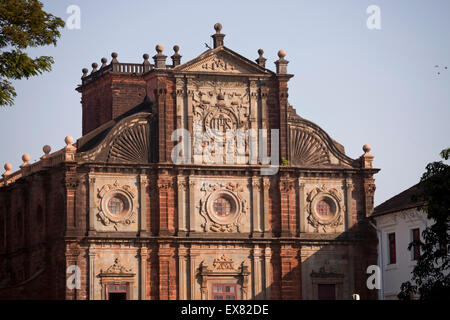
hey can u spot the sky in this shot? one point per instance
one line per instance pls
(362, 86)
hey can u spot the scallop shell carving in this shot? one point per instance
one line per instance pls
(306, 150)
(132, 145)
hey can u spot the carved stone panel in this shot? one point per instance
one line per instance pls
(222, 207)
(116, 204)
(221, 116)
(325, 209)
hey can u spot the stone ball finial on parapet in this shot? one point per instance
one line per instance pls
(25, 159)
(85, 72)
(46, 150)
(218, 27)
(159, 48)
(218, 36)
(114, 56)
(7, 167)
(261, 61)
(160, 58)
(94, 67)
(146, 64)
(281, 63)
(104, 62)
(367, 158)
(69, 141)
(176, 57)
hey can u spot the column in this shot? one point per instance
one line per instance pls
(257, 275)
(256, 223)
(349, 213)
(266, 185)
(192, 213)
(143, 183)
(181, 205)
(267, 267)
(143, 273)
(192, 269)
(91, 253)
(182, 271)
(253, 120)
(92, 206)
(301, 216)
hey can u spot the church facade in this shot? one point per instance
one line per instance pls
(193, 180)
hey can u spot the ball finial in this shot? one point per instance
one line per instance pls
(104, 60)
(85, 71)
(366, 148)
(176, 48)
(281, 54)
(114, 55)
(26, 158)
(145, 56)
(218, 27)
(68, 140)
(8, 166)
(260, 52)
(159, 48)
(94, 65)
(46, 149)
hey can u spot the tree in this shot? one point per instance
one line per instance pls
(23, 24)
(431, 275)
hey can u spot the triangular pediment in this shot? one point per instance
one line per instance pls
(222, 60)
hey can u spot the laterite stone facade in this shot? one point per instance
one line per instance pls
(116, 216)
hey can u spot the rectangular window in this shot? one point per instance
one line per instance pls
(224, 291)
(117, 291)
(392, 252)
(416, 248)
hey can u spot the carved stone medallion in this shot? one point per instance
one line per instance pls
(325, 208)
(222, 207)
(117, 205)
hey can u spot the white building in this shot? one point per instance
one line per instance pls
(398, 221)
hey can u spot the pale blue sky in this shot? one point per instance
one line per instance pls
(379, 87)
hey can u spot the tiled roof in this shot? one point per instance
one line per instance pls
(399, 202)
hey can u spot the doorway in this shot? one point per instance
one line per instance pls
(118, 292)
(326, 291)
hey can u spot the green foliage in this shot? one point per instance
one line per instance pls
(23, 24)
(284, 162)
(431, 275)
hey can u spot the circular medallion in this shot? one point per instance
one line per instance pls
(223, 207)
(117, 205)
(325, 208)
(218, 122)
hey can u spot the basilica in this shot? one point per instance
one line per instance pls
(192, 180)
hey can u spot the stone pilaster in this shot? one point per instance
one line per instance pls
(193, 256)
(182, 187)
(256, 209)
(267, 273)
(254, 115)
(182, 273)
(192, 213)
(257, 273)
(349, 201)
(266, 185)
(92, 206)
(91, 254)
(143, 183)
(301, 212)
(143, 255)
